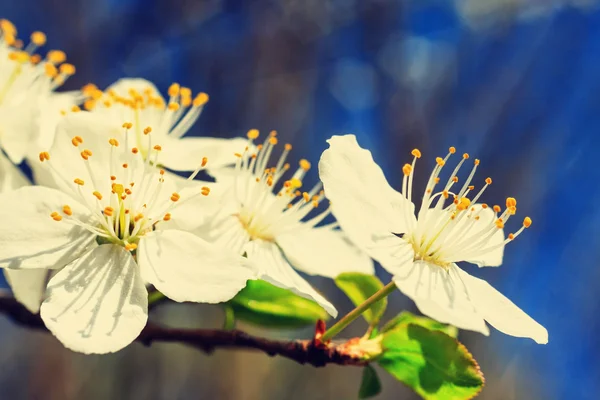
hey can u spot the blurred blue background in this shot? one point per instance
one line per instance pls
(513, 82)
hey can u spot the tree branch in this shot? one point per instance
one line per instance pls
(311, 352)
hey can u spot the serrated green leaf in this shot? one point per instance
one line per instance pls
(359, 287)
(370, 385)
(266, 305)
(405, 318)
(435, 365)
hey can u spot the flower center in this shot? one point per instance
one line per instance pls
(451, 226)
(29, 73)
(127, 198)
(269, 205)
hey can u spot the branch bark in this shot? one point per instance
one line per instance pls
(311, 352)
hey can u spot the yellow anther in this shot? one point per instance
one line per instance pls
(205, 190)
(463, 204)
(273, 140)
(204, 162)
(466, 156)
(252, 134)
(84, 155)
(452, 150)
(436, 180)
(445, 194)
(147, 130)
(128, 191)
(157, 147)
(173, 106)
(162, 172)
(76, 141)
(56, 216)
(407, 169)
(273, 133)
(484, 205)
(512, 210)
(499, 223)
(38, 38)
(315, 203)
(476, 161)
(98, 195)
(488, 181)
(455, 179)
(67, 210)
(44, 155)
(471, 187)
(167, 217)
(200, 100)
(287, 147)
(78, 181)
(511, 202)
(67, 69)
(306, 197)
(175, 196)
(527, 222)
(304, 164)
(185, 92)
(57, 57)
(113, 142)
(134, 150)
(89, 104)
(50, 70)
(511, 236)
(75, 109)
(118, 188)
(35, 59)
(125, 165)
(173, 89)
(416, 153)
(19, 56)
(238, 155)
(113, 178)
(440, 161)
(138, 217)
(7, 27)
(270, 181)
(295, 183)
(130, 246)
(127, 125)
(108, 211)
(497, 208)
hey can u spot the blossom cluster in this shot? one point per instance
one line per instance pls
(116, 206)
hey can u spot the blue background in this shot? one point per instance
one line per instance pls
(517, 87)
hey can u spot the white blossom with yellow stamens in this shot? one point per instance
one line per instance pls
(107, 233)
(277, 225)
(421, 252)
(29, 107)
(139, 101)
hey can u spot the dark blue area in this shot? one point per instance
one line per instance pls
(523, 97)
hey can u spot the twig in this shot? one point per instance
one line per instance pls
(312, 352)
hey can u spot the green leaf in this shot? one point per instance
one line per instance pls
(405, 318)
(434, 364)
(266, 305)
(359, 287)
(370, 386)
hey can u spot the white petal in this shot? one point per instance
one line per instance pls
(18, 129)
(11, 177)
(98, 303)
(28, 286)
(502, 313)
(124, 85)
(193, 209)
(186, 268)
(186, 154)
(276, 270)
(50, 115)
(322, 251)
(440, 294)
(362, 200)
(30, 238)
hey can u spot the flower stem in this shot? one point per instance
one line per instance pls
(357, 312)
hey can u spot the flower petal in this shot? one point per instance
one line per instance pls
(98, 303)
(440, 294)
(363, 202)
(123, 86)
(276, 270)
(322, 251)
(18, 127)
(186, 154)
(502, 313)
(30, 238)
(186, 268)
(11, 177)
(28, 286)
(50, 115)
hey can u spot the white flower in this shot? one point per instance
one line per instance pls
(29, 108)
(139, 101)
(450, 227)
(27, 286)
(275, 224)
(106, 233)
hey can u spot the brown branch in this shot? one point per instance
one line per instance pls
(302, 351)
